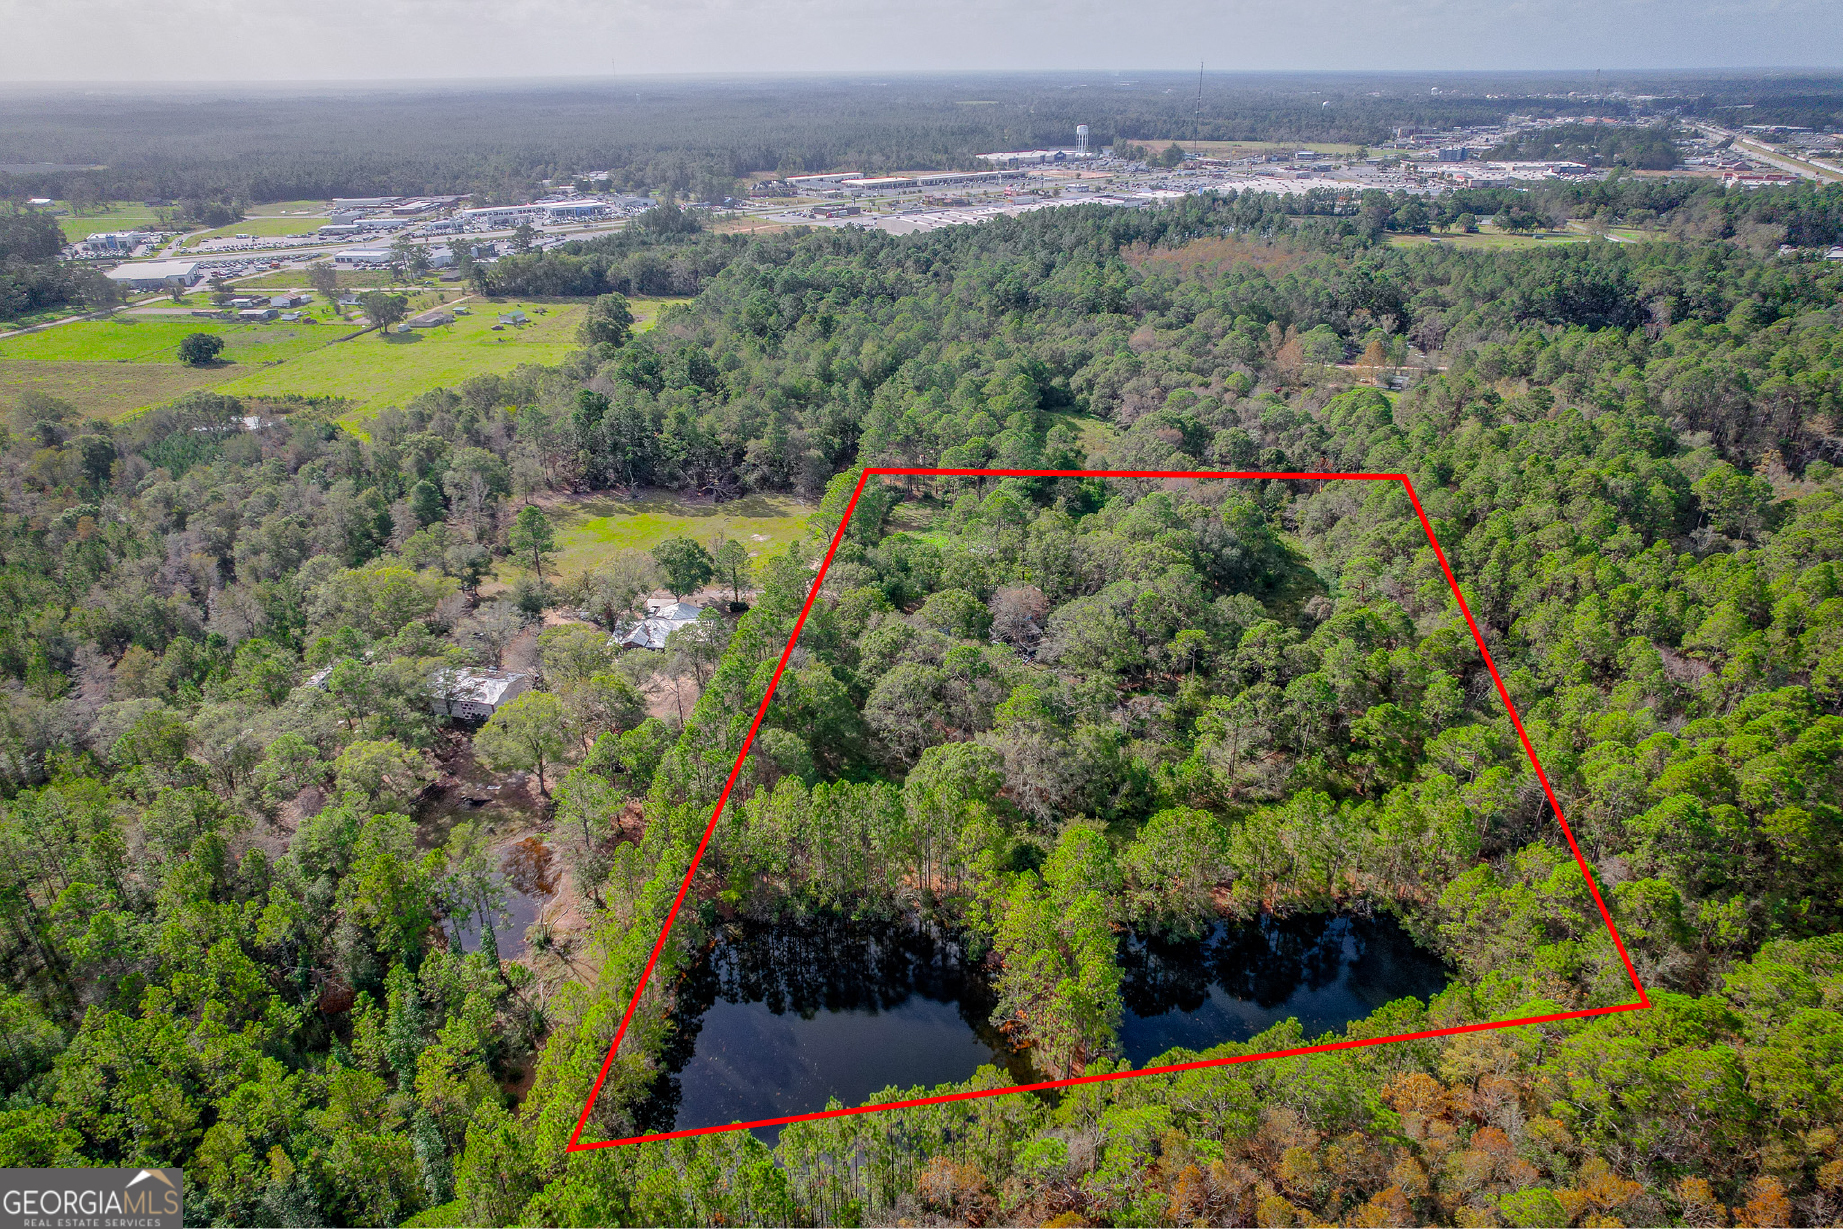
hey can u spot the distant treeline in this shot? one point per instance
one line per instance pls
(698, 138)
(644, 262)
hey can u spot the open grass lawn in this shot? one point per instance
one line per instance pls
(377, 370)
(747, 226)
(132, 361)
(1488, 239)
(262, 228)
(278, 208)
(296, 279)
(125, 339)
(103, 390)
(120, 215)
(647, 311)
(590, 528)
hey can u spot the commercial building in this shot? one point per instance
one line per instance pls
(1031, 157)
(575, 211)
(338, 230)
(155, 274)
(819, 181)
(931, 181)
(114, 241)
(493, 217)
(363, 256)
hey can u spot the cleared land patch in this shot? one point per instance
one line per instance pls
(590, 528)
(127, 339)
(103, 390)
(262, 228)
(131, 361)
(1494, 240)
(119, 215)
(377, 370)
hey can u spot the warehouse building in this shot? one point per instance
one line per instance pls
(155, 274)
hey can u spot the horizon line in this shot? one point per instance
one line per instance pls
(117, 85)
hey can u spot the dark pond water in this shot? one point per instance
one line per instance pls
(773, 1020)
(776, 1019)
(1325, 970)
(526, 880)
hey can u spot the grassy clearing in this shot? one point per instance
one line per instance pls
(120, 215)
(262, 228)
(647, 311)
(103, 390)
(590, 528)
(125, 339)
(1494, 240)
(278, 208)
(1097, 436)
(296, 279)
(389, 369)
(747, 226)
(132, 360)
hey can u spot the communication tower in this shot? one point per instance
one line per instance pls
(1081, 140)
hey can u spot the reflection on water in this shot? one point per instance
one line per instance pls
(1323, 969)
(775, 1019)
(527, 878)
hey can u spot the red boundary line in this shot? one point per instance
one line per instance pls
(838, 535)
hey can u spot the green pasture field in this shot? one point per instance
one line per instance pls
(277, 208)
(103, 390)
(131, 361)
(348, 279)
(1488, 240)
(590, 528)
(126, 339)
(119, 215)
(262, 228)
(377, 370)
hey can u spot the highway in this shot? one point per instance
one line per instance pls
(1758, 149)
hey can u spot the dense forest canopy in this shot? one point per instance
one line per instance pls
(1039, 714)
(229, 145)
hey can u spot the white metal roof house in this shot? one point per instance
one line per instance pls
(663, 619)
(473, 695)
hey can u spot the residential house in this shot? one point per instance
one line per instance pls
(474, 695)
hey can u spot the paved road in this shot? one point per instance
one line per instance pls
(1760, 150)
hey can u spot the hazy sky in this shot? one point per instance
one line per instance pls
(245, 40)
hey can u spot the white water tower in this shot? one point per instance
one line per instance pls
(1081, 140)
